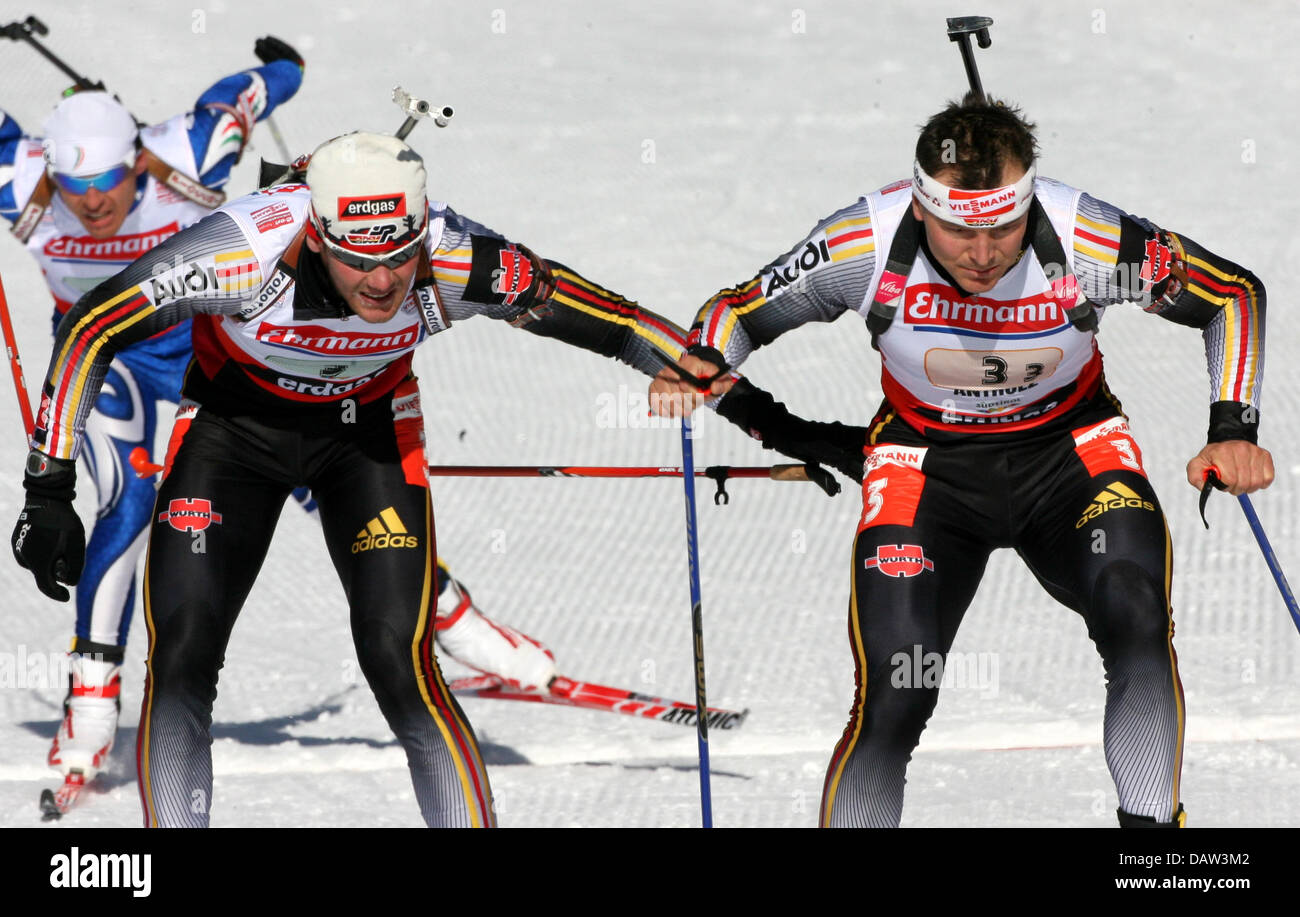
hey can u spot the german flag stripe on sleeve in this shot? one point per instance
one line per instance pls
(77, 356)
(454, 265)
(578, 293)
(239, 272)
(720, 314)
(856, 234)
(1238, 298)
(1097, 239)
(1098, 231)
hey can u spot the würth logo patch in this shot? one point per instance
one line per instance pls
(368, 208)
(502, 273)
(900, 560)
(190, 514)
(513, 277)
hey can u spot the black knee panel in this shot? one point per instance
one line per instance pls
(187, 653)
(385, 658)
(901, 695)
(1128, 608)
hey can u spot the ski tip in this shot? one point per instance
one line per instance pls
(49, 808)
(55, 804)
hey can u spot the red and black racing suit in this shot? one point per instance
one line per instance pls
(289, 388)
(998, 431)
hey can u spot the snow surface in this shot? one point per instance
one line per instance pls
(666, 151)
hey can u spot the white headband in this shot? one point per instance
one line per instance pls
(979, 209)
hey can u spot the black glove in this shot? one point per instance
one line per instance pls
(271, 48)
(49, 539)
(764, 418)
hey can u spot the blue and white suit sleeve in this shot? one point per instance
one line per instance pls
(225, 113)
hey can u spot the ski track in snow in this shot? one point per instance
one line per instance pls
(665, 153)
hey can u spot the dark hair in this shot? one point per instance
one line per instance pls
(976, 137)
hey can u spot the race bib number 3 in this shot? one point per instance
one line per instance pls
(984, 369)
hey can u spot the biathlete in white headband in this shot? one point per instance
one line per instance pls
(983, 284)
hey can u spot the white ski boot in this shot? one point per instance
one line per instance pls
(89, 725)
(473, 639)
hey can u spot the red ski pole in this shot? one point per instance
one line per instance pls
(818, 475)
(16, 365)
(719, 473)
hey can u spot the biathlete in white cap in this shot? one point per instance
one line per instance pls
(307, 302)
(982, 284)
(87, 198)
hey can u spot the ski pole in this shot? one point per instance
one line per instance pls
(23, 31)
(816, 474)
(719, 473)
(1271, 559)
(960, 30)
(16, 365)
(278, 138)
(775, 472)
(697, 623)
(1257, 529)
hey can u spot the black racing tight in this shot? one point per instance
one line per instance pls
(216, 514)
(1085, 520)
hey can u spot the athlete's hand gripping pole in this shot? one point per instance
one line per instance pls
(1248, 508)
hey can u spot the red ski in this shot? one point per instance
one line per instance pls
(569, 693)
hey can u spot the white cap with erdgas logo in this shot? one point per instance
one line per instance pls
(88, 133)
(368, 193)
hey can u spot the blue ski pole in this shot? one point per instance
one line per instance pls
(1212, 480)
(697, 623)
(1271, 559)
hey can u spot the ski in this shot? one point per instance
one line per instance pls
(570, 693)
(55, 804)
